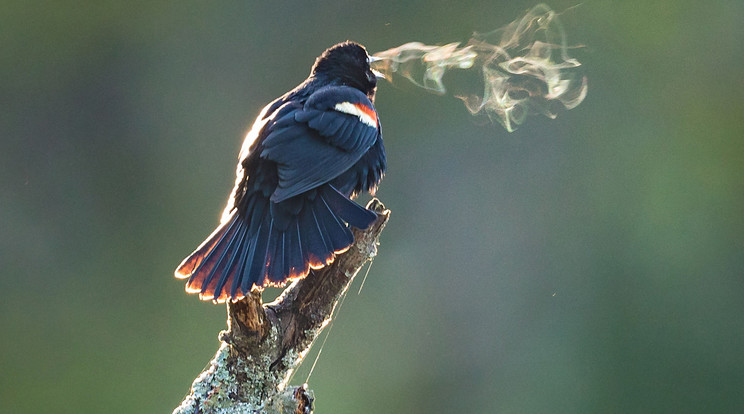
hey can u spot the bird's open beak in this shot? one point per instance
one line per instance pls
(371, 60)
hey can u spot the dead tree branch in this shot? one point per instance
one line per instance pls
(265, 343)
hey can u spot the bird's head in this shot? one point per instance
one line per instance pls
(347, 64)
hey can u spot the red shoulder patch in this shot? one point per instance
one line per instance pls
(365, 113)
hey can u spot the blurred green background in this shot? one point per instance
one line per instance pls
(588, 264)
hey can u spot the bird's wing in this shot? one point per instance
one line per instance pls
(317, 142)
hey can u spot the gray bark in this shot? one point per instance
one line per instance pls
(265, 343)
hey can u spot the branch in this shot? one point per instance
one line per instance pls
(265, 343)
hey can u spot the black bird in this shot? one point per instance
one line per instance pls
(307, 155)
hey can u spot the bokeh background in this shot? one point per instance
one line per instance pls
(588, 264)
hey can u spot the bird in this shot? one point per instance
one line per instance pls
(308, 154)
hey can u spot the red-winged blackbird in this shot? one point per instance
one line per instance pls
(308, 153)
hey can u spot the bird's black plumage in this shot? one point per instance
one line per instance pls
(308, 153)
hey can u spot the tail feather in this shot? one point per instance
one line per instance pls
(316, 251)
(295, 253)
(210, 291)
(220, 260)
(192, 263)
(269, 244)
(217, 261)
(240, 269)
(338, 233)
(232, 266)
(257, 259)
(349, 211)
(275, 258)
(287, 242)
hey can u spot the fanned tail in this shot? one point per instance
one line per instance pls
(270, 244)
